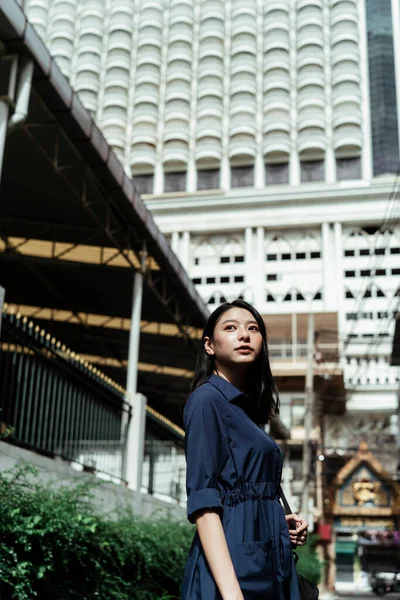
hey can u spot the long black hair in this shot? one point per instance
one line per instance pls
(260, 384)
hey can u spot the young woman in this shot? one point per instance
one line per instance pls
(242, 546)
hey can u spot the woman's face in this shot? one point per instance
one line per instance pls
(237, 339)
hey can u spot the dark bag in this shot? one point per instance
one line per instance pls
(308, 591)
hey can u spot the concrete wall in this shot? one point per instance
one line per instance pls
(108, 497)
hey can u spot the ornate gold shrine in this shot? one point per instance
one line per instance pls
(363, 488)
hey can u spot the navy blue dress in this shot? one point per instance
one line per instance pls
(235, 467)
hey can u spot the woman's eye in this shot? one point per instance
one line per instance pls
(253, 328)
(229, 327)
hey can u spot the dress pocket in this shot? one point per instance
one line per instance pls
(255, 569)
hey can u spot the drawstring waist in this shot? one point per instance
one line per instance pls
(250, 491)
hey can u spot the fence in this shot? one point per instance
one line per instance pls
(58, 404)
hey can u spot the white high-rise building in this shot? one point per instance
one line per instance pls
(264, 136)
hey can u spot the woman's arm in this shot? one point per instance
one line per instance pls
(216, 550)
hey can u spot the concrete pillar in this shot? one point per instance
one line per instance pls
(339, 284)
(250, 263)
(294, 168)
(184, 254)
(135, 425)
(259, 171)
(328, 258)
(259, 281)
(159, 178)
(3, 131)
(191, 176)
(330, 164)
(225, 180)
(175, 242)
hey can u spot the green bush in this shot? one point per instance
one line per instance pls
(309, 565)
(55, 545)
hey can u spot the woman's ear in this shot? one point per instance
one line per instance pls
(209, 346)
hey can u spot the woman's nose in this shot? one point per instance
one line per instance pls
(244, 334)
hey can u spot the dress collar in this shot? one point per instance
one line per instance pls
(228, 389)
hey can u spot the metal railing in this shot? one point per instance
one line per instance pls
(58, 404)
(164, 469)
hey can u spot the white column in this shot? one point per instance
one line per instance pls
(3, 130)
(294, 337)
(175, 242)
(329, 274)
(339, 285)
(8, 76)
(184, 254)
(330, 158)
(134, 334)
(250, 264)
(191, 176)
(158, 178)
(396, 49)
(135, 426)
(366, 157)
(259, 283)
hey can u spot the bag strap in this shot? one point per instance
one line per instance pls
(286, 506)
(288, 511)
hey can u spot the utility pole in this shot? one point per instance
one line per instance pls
(308, 416)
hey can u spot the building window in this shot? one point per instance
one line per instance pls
(225, 259)
(276, 174)
(197, 280)
(382, 87)
(300, 255)
(365, 272)
(349, 273)
(144, 183)
(351, 316)
(349, 253)
(175, 181)
(364, 252)
(348, 168)
(394, 250)
(380, 272)
(315, 254)
(210, 280)
(349, 294)
(239, 259)
(208, 179)
(312, 170)
(271, 257)
(318, 296)
(270, 298)
(286, 256)
(395, 271)
(238, 279)
(224, 279)
(299, 296)
(272, 277)
(242, 176)
(379, 251)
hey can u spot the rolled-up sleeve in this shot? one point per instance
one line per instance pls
(205, 449)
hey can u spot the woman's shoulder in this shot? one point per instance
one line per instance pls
(205, 397)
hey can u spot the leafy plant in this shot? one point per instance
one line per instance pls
(309, 565)
(55, 544)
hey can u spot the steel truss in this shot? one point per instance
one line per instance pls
(65, 159)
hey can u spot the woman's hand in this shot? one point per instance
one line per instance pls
(298, 536)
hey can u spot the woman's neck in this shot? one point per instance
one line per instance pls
(234, 375)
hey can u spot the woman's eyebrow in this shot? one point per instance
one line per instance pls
(236, 321)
